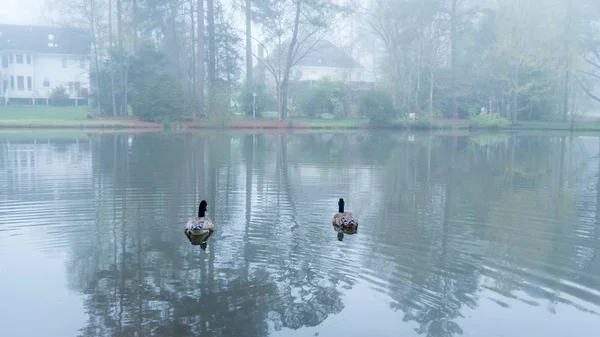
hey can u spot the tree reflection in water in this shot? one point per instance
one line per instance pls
(451, 221)
(142, 280)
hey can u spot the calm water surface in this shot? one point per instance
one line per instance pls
(482, 235)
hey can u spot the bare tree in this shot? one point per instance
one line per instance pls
(212, 62)
(200, 58)
(88, 15)
(589, 75)
(308, 24)
(249, 77)
(122, 70)
(112, 70)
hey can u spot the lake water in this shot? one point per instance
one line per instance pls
(480, 235)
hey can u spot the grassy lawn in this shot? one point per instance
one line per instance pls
(23, 113)
(16, 116)
(49, 116)
(331, 123)
(61, 123)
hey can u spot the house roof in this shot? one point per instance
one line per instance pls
(51, 40)
(323, 54)
(326, 54)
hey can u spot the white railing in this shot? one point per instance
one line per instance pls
(38, 93)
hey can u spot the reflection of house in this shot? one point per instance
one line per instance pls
(37, 59)
(37, 165)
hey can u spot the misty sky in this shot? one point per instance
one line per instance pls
(28, 12)
(20, 11)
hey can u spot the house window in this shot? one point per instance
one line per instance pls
(12, 83)
(28, 59)
(10, 58)
(359, 76)
(4, 61)
(4, 84)
(19, 58)
(29, 83)
(64, 62)
(46, 83)
(20, 83)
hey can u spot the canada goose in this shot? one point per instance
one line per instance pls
(344, 220)
(201, 224)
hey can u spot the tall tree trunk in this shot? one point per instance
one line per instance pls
(193, 48)
(261, 66)
(566, 93)
(288, 64)
(417, 103)
(397, 75)
(567, 45)
(514, 109)
(111, 63)
(121, 63)
(249, 79)
(95, 46)
(431, 91)
(598, 199)
(212, 65)
(134, 21)
(226, 43)
(200, 58)
(453, 38)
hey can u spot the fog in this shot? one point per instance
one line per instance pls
(534, 60)
(21, 12)
(118, 117)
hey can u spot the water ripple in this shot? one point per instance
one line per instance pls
(440, 237)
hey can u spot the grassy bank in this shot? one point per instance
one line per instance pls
(45, 117)
(61, 118)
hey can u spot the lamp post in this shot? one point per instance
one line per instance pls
(254, 105)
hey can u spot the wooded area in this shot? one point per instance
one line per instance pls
(521, 60)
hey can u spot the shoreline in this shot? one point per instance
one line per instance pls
(119, 124)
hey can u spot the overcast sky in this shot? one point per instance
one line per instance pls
(20, 11)
(27, 12)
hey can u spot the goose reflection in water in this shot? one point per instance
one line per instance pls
(346, 230)
(199, 240)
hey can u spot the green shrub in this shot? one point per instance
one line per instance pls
(265, 100)
(219, 102)
(425, 123)
(161, 98)
(323, 96)
(59, 96)
(377, 106)
(489, 121)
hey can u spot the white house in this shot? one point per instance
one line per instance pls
(36, 60)
(323, 60)
(327, 59)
